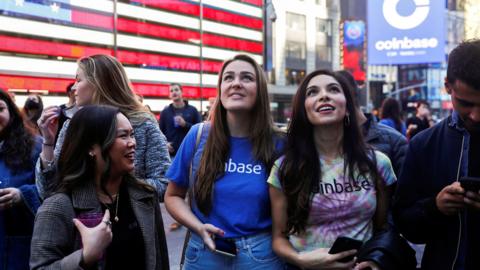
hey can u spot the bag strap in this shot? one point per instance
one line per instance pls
(190, 197)
(197, 142)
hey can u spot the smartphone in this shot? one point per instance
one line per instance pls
(470, 183)
(343, 243)
(225, 247)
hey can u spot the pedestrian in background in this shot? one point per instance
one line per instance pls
(175, 122)
(420, 121)
(329, 183)
(32, 109)
(229, 168)
(101, 216)
(391, 115)
(101, 79)
(177, 118)
(19, 198)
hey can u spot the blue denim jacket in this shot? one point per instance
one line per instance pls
(16, 224)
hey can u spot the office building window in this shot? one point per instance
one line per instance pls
(323, 43)
(295, 48)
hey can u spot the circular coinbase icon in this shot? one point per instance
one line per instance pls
(405, 22)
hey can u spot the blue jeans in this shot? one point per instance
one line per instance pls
(254, 252)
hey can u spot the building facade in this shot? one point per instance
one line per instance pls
(304, 37)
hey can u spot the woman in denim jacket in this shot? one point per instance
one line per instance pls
(19, 199)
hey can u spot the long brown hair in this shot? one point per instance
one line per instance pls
(212, 163)
(300, 171)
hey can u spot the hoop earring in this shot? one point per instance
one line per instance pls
(346, 120)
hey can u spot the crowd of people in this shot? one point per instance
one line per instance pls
(81, 184)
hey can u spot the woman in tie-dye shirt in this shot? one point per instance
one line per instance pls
(326, 184)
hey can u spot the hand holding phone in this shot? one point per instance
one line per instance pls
(470, 183)
(225, 246)
(343, 243)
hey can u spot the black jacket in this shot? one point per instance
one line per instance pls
(389, 251)
(386, 140)
(435, 159)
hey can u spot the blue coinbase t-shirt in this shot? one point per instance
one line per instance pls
(241, 203)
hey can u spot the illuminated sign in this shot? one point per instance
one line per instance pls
(406, 32)
(353, 48)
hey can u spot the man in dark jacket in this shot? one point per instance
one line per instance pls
(177, 119)
(430, 205)
(175, 122)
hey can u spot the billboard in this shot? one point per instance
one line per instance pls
(406, 31)
(353, 48)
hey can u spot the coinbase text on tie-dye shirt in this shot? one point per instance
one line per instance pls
(342, 207)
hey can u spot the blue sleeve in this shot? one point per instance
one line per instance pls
(29, 192)
(180, 168)
(31, 199)
(386, 122)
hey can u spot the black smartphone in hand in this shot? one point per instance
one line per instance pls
(225, 247)
(470, 183)
(343, 243)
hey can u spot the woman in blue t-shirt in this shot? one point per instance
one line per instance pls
(231, 158)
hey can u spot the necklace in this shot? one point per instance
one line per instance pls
(117, 196)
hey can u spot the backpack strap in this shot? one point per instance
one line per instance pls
(200, 135)
(197, 142)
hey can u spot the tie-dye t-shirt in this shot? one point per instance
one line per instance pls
(341, 208)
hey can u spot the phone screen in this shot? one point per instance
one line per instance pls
(225, 247)
(470, 183)
(343, 243)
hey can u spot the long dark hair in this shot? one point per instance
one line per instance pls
(212, 163)
(391, 109)
(33, 109)
(300, 171)
(92, 125)
(17, 141)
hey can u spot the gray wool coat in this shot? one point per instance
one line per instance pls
(56, 243)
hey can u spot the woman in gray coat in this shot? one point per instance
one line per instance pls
(100, 216)
(102, 80)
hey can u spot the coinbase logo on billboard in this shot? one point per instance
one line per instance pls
(405, 31)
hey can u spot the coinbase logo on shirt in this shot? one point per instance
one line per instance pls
(405, 31)
(239, 167)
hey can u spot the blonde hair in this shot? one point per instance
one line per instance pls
(112, 86)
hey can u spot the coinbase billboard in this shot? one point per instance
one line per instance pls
(406, 31)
